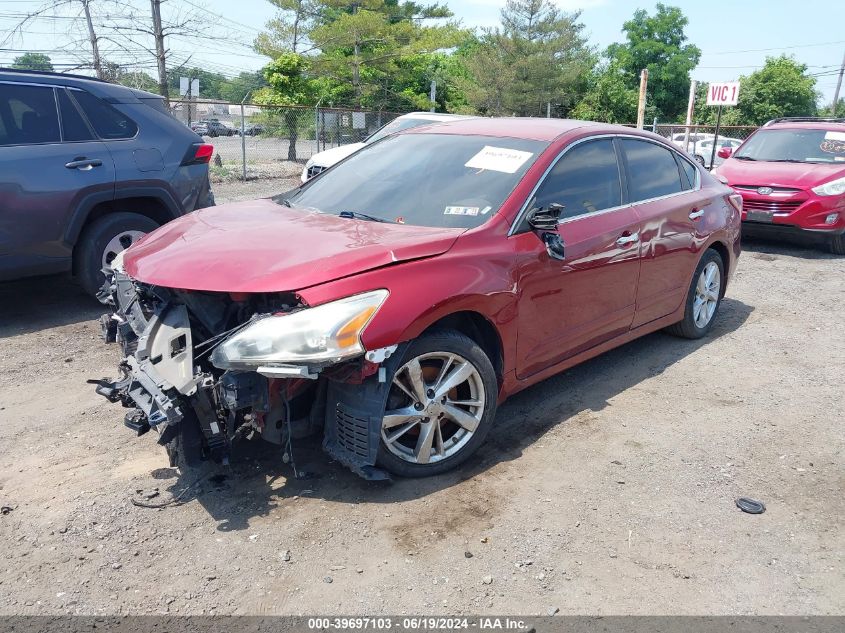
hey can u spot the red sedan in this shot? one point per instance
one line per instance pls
(395, 299)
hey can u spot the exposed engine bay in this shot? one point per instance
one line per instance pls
(178, 377)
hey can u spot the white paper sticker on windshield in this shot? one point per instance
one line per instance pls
(834, 136)
(461, 211)
(498, 159)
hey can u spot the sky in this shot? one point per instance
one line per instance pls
(734, 36)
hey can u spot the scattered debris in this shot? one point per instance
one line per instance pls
(552, 610)
(750, 505)
(467, 554)
(487, 580)
(285, 556)
(5, 509)
(328, 579)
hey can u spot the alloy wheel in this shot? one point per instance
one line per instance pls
(435, 405)
(118, 243)
(707, 291)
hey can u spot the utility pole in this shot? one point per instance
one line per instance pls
(95, 49)
(690, 107)
(641, 104)
(158, 34)
(838, 86)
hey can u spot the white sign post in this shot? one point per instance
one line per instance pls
(721, 94)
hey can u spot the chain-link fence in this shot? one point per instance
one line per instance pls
(263, 142)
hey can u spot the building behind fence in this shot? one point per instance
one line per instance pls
(278, 140)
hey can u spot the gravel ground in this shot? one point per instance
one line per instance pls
(606, 490)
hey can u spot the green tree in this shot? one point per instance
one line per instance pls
(658, 43)
(367, 50)
(288, 86)
(234, 90)
(610, 98)
(781, 88)
(538, 56)
(33, 61)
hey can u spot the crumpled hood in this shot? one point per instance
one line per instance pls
(769, 174)
(261, 246)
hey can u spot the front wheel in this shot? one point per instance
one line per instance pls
(837, 244)
(704, 297)
(440, 406)
(100, 243)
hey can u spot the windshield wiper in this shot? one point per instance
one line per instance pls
(744, 158)
(362, 216)
(786, 160)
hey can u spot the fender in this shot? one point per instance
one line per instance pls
(87, 204)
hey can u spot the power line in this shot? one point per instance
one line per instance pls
(778, 48)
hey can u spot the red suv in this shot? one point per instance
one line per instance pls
(791, 175)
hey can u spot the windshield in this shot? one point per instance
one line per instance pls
(436, 180)
(397, 125)
(793, 145)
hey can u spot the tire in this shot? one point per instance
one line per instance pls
(183, 443)
(699, 160)
(689, 326)
(455, 442)
(837, 244)
(101, 240)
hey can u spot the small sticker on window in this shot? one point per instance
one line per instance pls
(486, 210)
(461, 211)
(834, 136)
(498, 159)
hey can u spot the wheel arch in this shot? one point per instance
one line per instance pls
(480, 329)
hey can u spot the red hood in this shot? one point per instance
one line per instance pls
(791, 175)
(260, 246)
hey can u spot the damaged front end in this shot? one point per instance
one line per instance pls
(207, 368)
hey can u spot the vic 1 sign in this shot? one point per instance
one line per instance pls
(724, 94)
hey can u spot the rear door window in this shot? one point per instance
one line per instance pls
(74, 127)
(28, 115)
(108, 122)
(652, 170)
(584, 180)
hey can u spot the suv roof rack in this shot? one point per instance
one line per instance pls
(804, 119)
(49, 73)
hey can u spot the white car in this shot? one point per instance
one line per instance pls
(694, 137)
(322, 161)
(702, 151)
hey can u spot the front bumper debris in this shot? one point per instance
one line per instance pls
(169, 384)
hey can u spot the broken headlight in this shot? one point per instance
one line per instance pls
(324, 334)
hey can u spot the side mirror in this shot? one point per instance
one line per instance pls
(725, 152)
(545, 218)
(544, 221)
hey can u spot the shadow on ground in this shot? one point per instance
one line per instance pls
(258, 480)
(805, 246)
(38, 303)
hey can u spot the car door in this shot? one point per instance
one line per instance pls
(665, 190)
(50, 162)
(571, 304)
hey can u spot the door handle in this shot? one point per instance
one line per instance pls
(628, 239)
(83, 163)
(696, 213)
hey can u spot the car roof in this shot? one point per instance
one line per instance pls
(528, 128)
(806, 125)
(115, 93)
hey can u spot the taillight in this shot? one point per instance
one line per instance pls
(736, 201)
(198, 154)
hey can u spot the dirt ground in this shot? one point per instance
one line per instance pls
(606, 490)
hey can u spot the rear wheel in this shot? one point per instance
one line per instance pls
(703, 298)
(699, 159)
(100, 243)
(837, 244)
(440, 407)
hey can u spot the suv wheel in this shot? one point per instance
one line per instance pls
(102, 240)
(703, 298)
(440, 407)
(837, 244)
